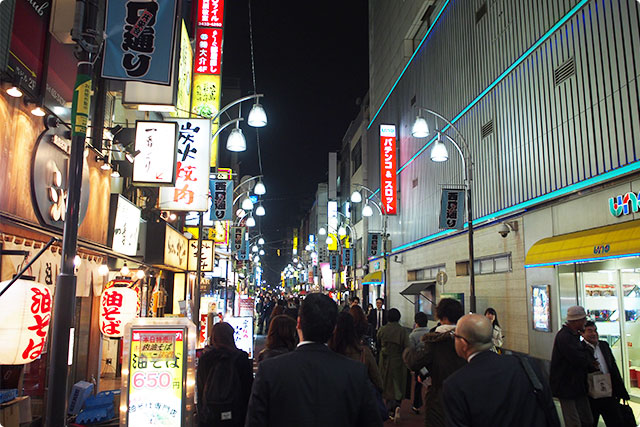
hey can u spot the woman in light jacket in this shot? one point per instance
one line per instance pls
(497, 339)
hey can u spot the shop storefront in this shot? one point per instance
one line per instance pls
(597, 267)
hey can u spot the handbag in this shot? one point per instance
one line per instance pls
(599, 385)
(627, 415)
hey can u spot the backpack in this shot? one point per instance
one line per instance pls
(222, 394)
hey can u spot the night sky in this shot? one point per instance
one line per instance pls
(311, 63)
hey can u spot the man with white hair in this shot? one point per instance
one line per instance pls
(493, 390)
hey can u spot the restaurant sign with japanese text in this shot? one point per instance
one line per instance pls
(191, 190)
(155, 164)
(175, 249)
(156, 374)
(388, 184)
(139, 43)
(206, 255)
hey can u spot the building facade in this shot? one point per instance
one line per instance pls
(547, 98)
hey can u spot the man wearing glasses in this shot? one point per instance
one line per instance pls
(492, 390)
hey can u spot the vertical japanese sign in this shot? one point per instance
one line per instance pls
(347, 257)
(185, 75)
(373, 244)
(118, 306)
(155, 165)
(452, 209)
(222, 195)
(126, 225)
(206, 257)
(210, 13)
(237, 238)
(191, 191)
(140, 40)
(175, 248)
(388, 184)
(208, 65)
(156, 373)
(334, 260)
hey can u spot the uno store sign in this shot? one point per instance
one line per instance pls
(624, 205)
(388, 161)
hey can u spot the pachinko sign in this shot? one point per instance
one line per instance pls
(388, 161)
(624, 204)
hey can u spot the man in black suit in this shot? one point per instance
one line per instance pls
(378, 316)
(312, 386)
(608, 407)
(492, 390)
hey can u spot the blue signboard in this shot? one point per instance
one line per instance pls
(140, 40)
(347, 257)
(222, 195)
(452, 209)
(334, 260)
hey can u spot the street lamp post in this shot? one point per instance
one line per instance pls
(439, 154)
(356, 197)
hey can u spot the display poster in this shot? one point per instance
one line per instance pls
(191, 190)
(156, 370)
(155, 164)
(388, 163)
(243, 333)
(541, 306)
(139, 44)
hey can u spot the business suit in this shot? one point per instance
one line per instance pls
(608, 407)
(373, 318)
(312, 386)
(493, 390)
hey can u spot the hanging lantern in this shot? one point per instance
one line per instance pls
(25, 313)
(118, 306)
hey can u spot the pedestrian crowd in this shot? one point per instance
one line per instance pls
(328, 366)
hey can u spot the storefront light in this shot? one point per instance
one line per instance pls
(124, 271)
(77, 261)
(38, 112)
(14, 91)
(140, 274)
(103, 270)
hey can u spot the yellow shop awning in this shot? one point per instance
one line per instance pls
(374, 278)
(611, 241)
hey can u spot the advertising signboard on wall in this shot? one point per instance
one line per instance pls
(210, 13)
(175, 249)
(139, 43)
(388, 184)
(191, 190)
(155, 165)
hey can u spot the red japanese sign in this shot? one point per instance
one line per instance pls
(388, 184)
(208, 51)
(25, 314)
(210, 13)
(118, 306)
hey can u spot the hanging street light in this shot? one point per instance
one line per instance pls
(322, 231)
(439, 151)
(367, 211)
(356, 197)
(247, 204)
(260, 189)
(261, 252)
(261, 241)
(420, 127)
(257, 116)
(251, 222)
(236, 141)
(260, 210)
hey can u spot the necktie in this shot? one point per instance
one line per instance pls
(379, 318)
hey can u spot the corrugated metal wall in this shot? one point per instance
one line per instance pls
(545, 135)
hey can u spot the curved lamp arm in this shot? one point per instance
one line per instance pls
(236, 102)
(224, 126)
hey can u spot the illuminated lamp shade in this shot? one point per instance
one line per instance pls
(118, 306)
(254, 248)
(251, 222)
(257, 117)
(439, 152)
(342, 231)
(260, 189)
(329, 240)
(261, 252)
(25, 313)
(236, 141)
(356, 197)
(14, 91)
(38, 112)
(261, 241)
(260, 210)
(420, 128)
(247, 204)
(322, 231)
(367, 211)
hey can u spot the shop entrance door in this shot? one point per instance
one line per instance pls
(610, 292)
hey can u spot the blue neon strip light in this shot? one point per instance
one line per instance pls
(520, 206)
(551, 264)
(409, 62)
(501, 77)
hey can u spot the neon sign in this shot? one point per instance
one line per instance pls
(388, 177)
(624, 204)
